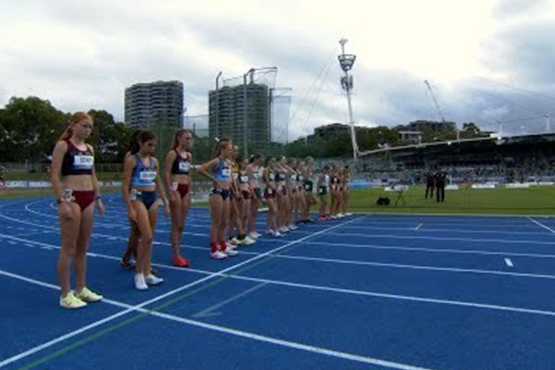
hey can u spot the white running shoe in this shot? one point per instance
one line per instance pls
(254, 235)
(235, 241)
(140, 282)
(231, 252)
(230, 246)
(153, 280)
(283, 229)
(247, 241)
(219, 255)
(348, 214)
(277, 234)
(257, 235)
(292, 227)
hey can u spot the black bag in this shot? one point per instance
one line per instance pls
(383, 201)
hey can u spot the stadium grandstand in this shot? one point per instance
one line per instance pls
(529, 158)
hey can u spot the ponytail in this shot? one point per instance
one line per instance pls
(222, 143)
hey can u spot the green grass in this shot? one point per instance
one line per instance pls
(537, 200)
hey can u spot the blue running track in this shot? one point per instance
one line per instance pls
(362, 292)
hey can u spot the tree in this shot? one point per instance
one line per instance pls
(29, 129)
(109, 138)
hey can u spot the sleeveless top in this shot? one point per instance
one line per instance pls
(180, 165)
(143, 175)
(77, 162)
(223, 172)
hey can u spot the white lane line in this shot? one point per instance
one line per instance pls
(208, 312)
(241, 333)
(346, 291)
(419, 226)
(352, 262)
(542, 225)
(160, 297)
(509, 262)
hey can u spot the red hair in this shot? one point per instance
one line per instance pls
(75, 119)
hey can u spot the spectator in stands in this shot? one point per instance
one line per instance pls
(430, 183)
(440, 179)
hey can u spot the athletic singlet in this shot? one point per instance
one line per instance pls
(243, 178)
(280, 177)
(143, 176)
(77, 162)
(180, 165)
(223, 172)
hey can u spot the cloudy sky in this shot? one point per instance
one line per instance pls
(488, 60)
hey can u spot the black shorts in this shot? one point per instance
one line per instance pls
(224, 193)
(323, 190)
(308, 186)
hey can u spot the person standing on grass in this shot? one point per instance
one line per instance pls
(178, 182)
(254, 174)
(76, 188)
(219, 171)
(440, 180)
(430, 184)
(141, 190)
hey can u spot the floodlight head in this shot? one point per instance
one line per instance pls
(347, 61)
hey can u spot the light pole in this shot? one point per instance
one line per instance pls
(245, 118)
(217, 120)
(346, 62)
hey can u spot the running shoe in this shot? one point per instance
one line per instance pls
(88, 296)
(292, 227)
(218, 255)
(181, 262)
(127, 264)
(140, 282)
(247, 241)
(70, 301)
(231, 252)
(234, 241)
(153, 280)
(254, 235)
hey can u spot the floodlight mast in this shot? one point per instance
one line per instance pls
(346, 61)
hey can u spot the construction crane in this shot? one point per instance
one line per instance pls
(438, 108)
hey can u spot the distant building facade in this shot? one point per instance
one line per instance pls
(241, 112)
(156, 102)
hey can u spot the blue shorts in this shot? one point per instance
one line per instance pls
(147, 197)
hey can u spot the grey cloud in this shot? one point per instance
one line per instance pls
(509, 8)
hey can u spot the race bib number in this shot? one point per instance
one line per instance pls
(244, 179)
(184, 166)
(147, 176)
(84, 162)
(272, 177)
(256, 175)
(226, 172)
(270, 191)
